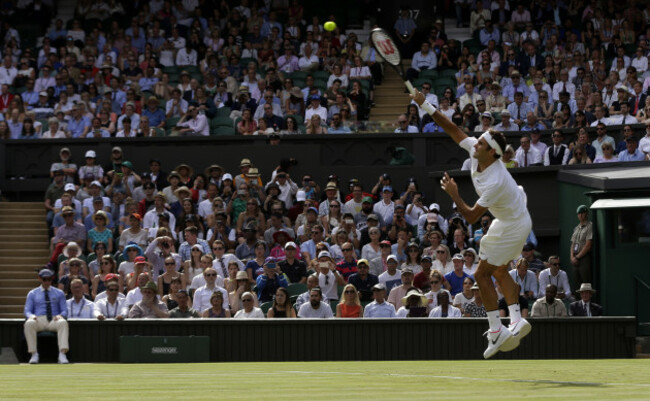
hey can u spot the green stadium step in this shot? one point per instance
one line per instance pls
(8, 311)
(36, 239)
(21, 218)
(21, 205)
(22, 260)
(23, 251)
(29, 272)
(19, 282)
(12, 300)
(21, 269)
(42, 253)
(15, 292)
(33, 213)
(23, 224)
(17, 234)
(31, 245)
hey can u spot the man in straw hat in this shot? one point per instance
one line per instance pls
(585, 307)
(149, 306)
(498, 192)
(413, 304)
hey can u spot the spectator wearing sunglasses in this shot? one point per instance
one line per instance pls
(553, 274)
(45, 310)
(250, 311)
(203, 294)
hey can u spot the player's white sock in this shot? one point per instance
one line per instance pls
(494, 320)
(515, 312)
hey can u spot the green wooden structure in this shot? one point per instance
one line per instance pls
(619, 201)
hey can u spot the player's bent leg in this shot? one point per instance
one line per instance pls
(519, 327)
(498, 334)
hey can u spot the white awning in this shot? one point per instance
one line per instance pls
(620, 203)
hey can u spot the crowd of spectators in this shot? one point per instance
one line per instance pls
(535, 65)
(179, 68)
(192, 67)
(220, 244)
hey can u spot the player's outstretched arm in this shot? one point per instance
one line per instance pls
(449, 127)
(471, 213)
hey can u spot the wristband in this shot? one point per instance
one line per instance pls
(428, 107)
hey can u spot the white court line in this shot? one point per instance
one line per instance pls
(574, 383)
(302, 372)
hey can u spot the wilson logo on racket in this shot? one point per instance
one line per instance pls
(386, 46)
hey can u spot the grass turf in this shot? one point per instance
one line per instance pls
(463, 380)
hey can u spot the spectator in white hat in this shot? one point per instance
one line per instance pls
(69, 169)
(328, 277)
(391, 277)
(585, 307)
(294, 268)
(94, 190)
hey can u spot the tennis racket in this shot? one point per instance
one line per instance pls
(386, 47)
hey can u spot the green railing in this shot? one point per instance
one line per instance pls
(642, 300)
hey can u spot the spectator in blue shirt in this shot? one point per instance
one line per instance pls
(532, 124)
(425, 59)
(45, 310)
(269, 281)
(154, 113)
(517, 85)
(148, 81)
(30, 97)
(456, 277)
(379, 308)
(632, 152)
(489, 33)
(337, 127)
(58, 34)
(518, 109)
(79, 125)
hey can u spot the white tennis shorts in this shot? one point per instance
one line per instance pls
(504, 240)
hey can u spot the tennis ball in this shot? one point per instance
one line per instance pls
(330, 25)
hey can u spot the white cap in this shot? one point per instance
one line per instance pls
(393, 258)
(96, 183)
(69, 187)
(434, 206)
(290, 244)
(91, 153)
(226, 176)
(324, 254)
(301, 196)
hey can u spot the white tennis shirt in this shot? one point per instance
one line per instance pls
(496, 188)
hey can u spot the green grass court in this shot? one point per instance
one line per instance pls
(403, 380)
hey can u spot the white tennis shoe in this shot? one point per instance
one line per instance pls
(34, 359)
(496, 340)
(519, 330)
(62, 358)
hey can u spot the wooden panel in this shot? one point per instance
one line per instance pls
(348, 339)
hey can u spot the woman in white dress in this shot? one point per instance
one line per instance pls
(443, 260)
(53, 131)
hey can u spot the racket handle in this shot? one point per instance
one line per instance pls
(410, 87)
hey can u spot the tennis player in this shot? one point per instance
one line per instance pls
(498, 192)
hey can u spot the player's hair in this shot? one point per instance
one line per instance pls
(500, 139)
